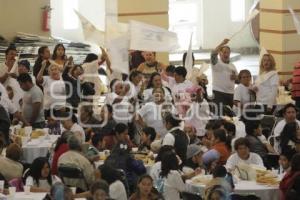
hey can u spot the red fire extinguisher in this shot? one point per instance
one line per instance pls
(46, 18)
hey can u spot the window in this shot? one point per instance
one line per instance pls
(237, 10)
(70, 19)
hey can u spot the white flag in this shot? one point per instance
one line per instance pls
(115, 30)
(118, 54)
(188, 64)
(248, 20)
(90, 32)
(145, 37)
(253, 7)
(296, 19)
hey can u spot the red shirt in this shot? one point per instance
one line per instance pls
(61, 149)
(223, 151)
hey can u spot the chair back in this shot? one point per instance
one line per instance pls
(71, 172)
(244, 197)
(190, 196)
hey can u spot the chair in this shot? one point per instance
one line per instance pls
(190, 196)
(71, 172)
(124, 180)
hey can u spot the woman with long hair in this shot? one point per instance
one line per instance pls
(42, 59)
(39, 177)
(59, 56)
(145, 190)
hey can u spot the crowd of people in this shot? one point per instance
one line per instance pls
(154, 109)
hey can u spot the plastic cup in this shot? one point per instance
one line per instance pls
(102, 155)
(73, 190)
(135, 149)
(12, 191)
(28, 130)
(1, 186)
(27, 189)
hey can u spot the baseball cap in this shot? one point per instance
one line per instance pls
(192, 150)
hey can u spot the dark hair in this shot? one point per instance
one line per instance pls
(288, 153)
(54, 56)
(39, 58)
(74, 68)
(184, 58)
(169, 162)
(109, 173)
(289, 105)
(74, 143)
(10, 48)
(90, 58)
(141, 178)
(181, 71)
(241, 142)
(25, 63)
(99, 185)
(227, 47)
(63, 139)
(111, 84)
(230, 127)
(133, 74)
(162, 151)
(219, 171)
(24, 78)
(109, 108)
(295, 163)
(14, 152)
(170, 68)
(149, 131)
(172, 120)
(244, 71)
(150, 84)
(220, 134)
(251, 125)
(36, 169)
(288, 133)
(214, 124)
(120, 128)
(97, 138)
(41, 50)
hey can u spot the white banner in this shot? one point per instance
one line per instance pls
(90, 32)
(188, 64)
(147, 37)
(118, 54)
(296, 19)
(251, 16)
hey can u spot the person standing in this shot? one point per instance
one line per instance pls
(224, 75)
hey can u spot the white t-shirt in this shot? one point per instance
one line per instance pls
(117, 191)
(169, 139)
(151, 114)
(43, 183)
(234, 160)
(78, 131)
(54, 93)
(155, 171)
(198, 115)
(148, 96)
(221, 73)
(241, 94)
(267, 91)
(178, 88)
(173, 185)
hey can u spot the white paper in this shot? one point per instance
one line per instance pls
(145, 37)
(90, 32)
(251, 16)
(118, 54)
(188, 64)
(296, 20)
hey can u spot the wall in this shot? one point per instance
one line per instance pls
(21, 16)
(154, 12)
(217, 25)
(94, 10)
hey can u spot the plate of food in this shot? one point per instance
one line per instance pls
(201, 179)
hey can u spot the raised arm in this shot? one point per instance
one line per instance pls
(214, 53)
(39, 78)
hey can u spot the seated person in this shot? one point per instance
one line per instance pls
(190, 130)
(54, 126)
(10, 166)
(219, 140)
(210, 127)
(95, 148)
(219, 187)
(120, 137)
(39, 177)
(145, 189)
(194, 158)
(147, 137)
(60, 191)
(87, 119)
(113, 178)
(289, 136)
(70, 124)
(243, 155)
(120, 158)
(285, 161)
(99, 190)
(74, 157)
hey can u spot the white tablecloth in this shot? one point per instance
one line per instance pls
(37, 148)
(31, 196)
(244, 188)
